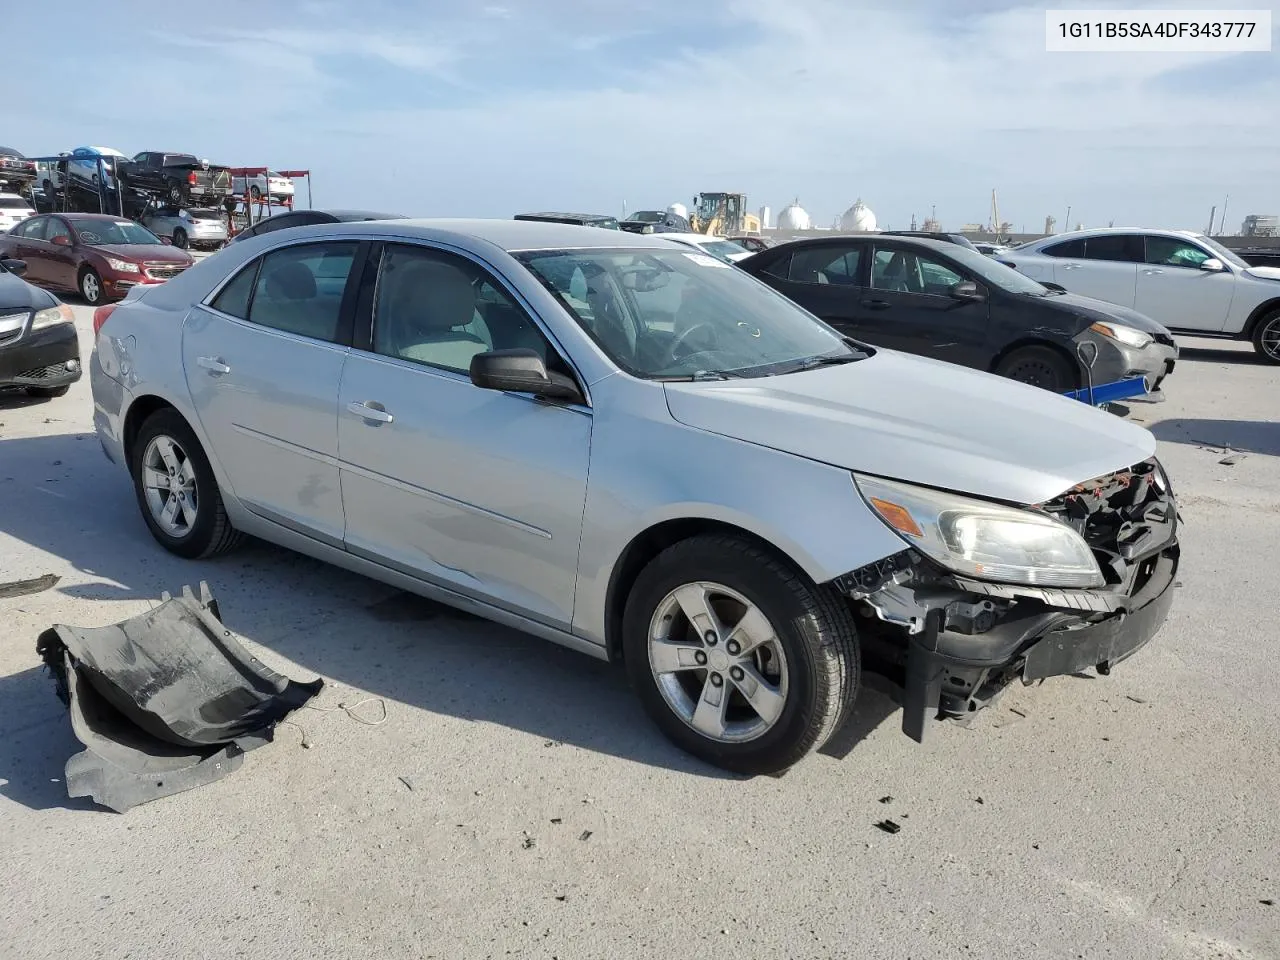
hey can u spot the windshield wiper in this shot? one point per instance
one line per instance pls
(809, 363)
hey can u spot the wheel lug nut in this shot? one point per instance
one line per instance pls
(736, 673)
(700, 657)
(732, 647)
(710, 637)
(716, 680)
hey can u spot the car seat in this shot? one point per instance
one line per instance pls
(421, 311)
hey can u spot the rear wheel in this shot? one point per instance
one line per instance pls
(1266, 337)
(1039, 367)
(175, 195)
(737, 656)
(91, 287)
(176, 489)
(255, 193)
(180, 239)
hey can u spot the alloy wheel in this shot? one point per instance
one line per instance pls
(1269, 338)
(169, 480)
(91, 287)
(717, 662)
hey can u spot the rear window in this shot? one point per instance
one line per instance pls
(14, 203)
(1125, 248)
(179, 159)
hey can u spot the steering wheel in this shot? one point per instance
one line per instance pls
(680, 339)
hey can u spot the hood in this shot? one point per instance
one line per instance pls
(1265, 273)
(17, 295)
(150, 252)
(923, 421)
(1102, 310)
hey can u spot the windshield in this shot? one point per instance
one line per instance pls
(99, 233)
(683, 314)
(1225, 255)
(609, 223)
(647, 216)
(996, 273)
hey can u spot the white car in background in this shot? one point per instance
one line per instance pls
(1184, 280)
(270, 184)
(718, 247)
(13, 210)
(194, 227)
(82, 164)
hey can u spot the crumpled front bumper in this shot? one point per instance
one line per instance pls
(950, 674)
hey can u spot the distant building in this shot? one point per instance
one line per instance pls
(794, 217)
(858, 219)
(1260, 225)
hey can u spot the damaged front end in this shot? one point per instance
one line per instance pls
(955, 641)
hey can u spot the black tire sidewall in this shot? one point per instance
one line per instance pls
(1067, 377)
(800, 637)
(196, 543)
(181, 245)
(1263, 323)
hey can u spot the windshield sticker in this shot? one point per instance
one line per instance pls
(705, 261)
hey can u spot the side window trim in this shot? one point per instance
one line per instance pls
(368, 297)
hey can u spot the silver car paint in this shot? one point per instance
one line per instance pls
(640, 464)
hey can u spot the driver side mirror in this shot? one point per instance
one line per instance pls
(61, 240)
(1213, 264)
(522, 371)
(16, 267)
(967, 290)
(167, 241)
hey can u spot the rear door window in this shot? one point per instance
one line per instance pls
(1120, 247)
(300, 289)
(826, 264)
(1067, 248)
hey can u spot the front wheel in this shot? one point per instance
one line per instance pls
(738, 657)
(1266, 337)
(91, 287)
(180, 239)
(176, 489)
(1039, 367)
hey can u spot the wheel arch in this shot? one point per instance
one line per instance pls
(139, 410)
(647, 545)
(1023, 342)
(1261, 311)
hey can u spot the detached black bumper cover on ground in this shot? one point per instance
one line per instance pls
(163, 702)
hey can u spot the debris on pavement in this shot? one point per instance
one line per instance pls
(1232, 459)
(164, 701)
(979, 800)
(585, 835)
(23, 588)
(886, 799)
(407, 782)
(888, 826)
(1130, 696)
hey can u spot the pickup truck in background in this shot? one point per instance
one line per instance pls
(181, 178)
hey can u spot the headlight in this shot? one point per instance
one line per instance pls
(123, 266)
(1126, 335)
(51, 315)
(980, 539)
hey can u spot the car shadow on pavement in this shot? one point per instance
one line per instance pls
(1244, 436)
(37, 741)
(61, 496)
(1219, 355)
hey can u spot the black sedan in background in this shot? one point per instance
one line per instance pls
(39, 351)
(949, 302)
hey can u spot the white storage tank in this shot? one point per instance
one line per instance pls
(858, 219)
(794, 217)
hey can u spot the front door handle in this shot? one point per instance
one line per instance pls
(1151, 273)
(1071, 266)
(876, 304)
(369, 411)
(213, 365)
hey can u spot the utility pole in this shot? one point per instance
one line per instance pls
(1212, 214)
(1067, 222)
(1222, 224)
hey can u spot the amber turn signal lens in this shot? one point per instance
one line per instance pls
(897, 517)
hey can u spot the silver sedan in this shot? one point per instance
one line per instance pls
(642, 453)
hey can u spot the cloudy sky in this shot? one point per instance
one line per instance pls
(489, 108)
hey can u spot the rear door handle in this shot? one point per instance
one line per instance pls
(1151, 273)
(369, 411)
(1071, 266)
(213, 364)
(876, 304)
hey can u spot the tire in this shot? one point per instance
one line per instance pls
(812, 664)
(180, 239)
(209, 531)
(255, 193)
(1039, 367)
(91, 287)
(48, 393)
(175, 195)
(1266, 337)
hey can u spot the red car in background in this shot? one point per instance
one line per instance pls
(97, 255)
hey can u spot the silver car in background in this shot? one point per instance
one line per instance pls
(642, 453)
(195, 227)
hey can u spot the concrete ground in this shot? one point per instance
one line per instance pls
(516, 802)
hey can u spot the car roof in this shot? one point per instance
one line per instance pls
(105, 217)
(5, 194)
(942, 246)
(509, 235)
(1104, 231)
(10, 152)
(574, 216)
(347, 215)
